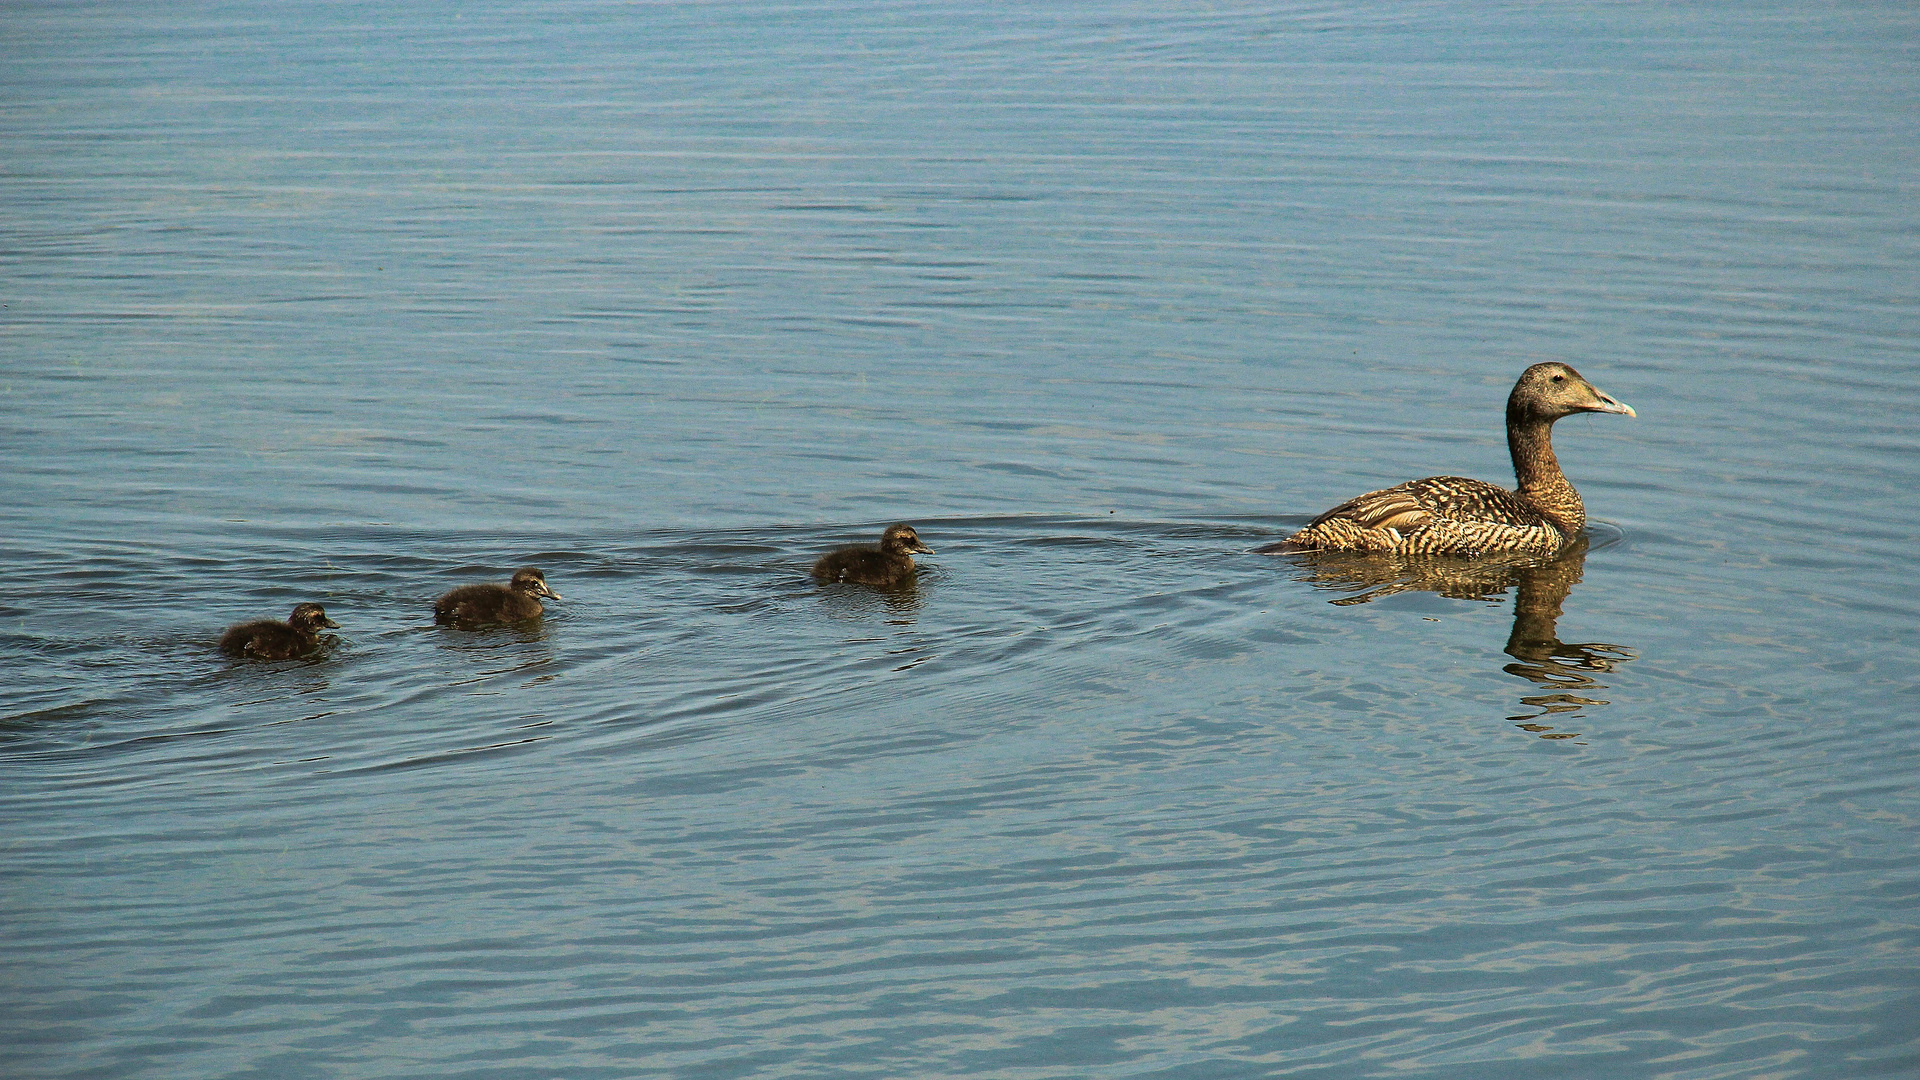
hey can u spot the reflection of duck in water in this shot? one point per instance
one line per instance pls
(1541, 587)
(1452, 515)
(269, 640)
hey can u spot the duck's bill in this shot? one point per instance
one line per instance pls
(1608, 404)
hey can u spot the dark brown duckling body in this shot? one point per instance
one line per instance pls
(887, 564)
(516, 601)
(1453, 515)
(269, 640)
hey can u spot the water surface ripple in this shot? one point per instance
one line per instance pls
(355, 304)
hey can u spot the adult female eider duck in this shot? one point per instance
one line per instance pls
(269, 640)
(1452, 515)
(888, 563)
(516, 601)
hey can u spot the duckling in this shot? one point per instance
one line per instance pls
(1452, 515)
(516, 601)
(269, 640)
(886, 564)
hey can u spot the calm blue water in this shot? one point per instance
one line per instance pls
(356, 303)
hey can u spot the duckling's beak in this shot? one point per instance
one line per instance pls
(1608, 404)
(548, 593)
(327, 621)
(919, 547)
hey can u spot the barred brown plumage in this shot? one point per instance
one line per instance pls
(1454, 515)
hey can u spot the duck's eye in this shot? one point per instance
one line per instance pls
(1559, 378)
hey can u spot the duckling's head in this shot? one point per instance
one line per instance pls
(311, 619)
(901, 539)
(1553, 390)
(532, 582)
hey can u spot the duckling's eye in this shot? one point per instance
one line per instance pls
(1559, 378)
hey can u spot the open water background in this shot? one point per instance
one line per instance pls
(354, 303)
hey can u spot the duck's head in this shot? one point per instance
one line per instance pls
(531, 581)
(1553, 390)
(311, 619)
(901, 538)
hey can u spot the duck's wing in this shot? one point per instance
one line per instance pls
(1459, 498)
(1398, 507)
(847, 563)
(1438, 515)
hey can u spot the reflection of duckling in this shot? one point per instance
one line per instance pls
(887, 563)
(515, 601)
(269, 640)
(1452, 515)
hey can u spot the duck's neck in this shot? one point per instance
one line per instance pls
(1530, 441)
